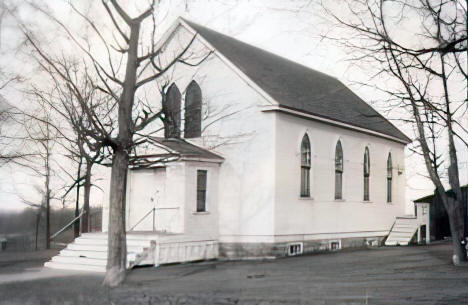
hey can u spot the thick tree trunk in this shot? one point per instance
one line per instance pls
(117, 244)
(454, 200)
(456, 218)
(117, 247)
(87, 191)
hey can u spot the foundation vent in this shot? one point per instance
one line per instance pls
(295, 249)
(372, 242)
(334, 245)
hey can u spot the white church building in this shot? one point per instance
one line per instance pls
(263, 157)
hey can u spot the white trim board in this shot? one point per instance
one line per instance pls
(331, 122)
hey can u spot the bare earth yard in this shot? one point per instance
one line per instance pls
(399, 275)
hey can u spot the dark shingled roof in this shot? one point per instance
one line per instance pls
(186, 149)
(297, 87)
(429, 198)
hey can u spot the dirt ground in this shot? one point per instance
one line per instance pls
(398, 275)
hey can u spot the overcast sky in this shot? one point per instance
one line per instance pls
(291, 29)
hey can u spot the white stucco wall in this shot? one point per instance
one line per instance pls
(321, 216)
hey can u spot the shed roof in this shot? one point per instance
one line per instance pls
(297, 87)
(429, 198)
(185, 149)
(160, 151)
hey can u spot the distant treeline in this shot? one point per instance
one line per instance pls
(19, 227)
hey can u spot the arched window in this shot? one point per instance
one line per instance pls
(389, 177)
(171, 109)
(366, 174)
(305, 166)
(338, 171)
(193, 107)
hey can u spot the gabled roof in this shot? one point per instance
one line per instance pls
(297, 87)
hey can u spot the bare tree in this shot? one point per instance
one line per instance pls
(9, 152)
(80, 144)
(422, 65)
(142, 66)
(40, 140)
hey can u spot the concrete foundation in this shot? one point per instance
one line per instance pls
(268, 250)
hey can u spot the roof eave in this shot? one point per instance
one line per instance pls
(301, 113)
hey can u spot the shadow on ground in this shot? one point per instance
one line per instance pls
(399, 275)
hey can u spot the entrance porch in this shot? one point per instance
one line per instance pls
(89, 251)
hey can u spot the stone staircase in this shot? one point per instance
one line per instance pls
(403, 231)
(89, 252)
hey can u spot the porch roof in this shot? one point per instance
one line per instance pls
(171, 150)
(185, 149)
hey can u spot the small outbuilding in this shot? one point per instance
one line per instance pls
(438, 218)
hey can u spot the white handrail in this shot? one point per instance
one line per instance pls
(67, 225)
(153, 210)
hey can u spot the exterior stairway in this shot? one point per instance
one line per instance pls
(89, 251)
(402, 231)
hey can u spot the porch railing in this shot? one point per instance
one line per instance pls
(152, 211)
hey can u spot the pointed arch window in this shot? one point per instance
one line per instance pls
(193, 107)
(171, 110)
(305, 166)
(389, 177)
(366, 174)
(338, 171)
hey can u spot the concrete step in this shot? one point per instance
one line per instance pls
(406, 225)
(77, 253)
(57, 265)
(405, 221)
(404, 230)
(130, 236)
(87, 247)
(401, 234)
(396, 243)
(92, 254)
(75, 260)
(399, 238)
(103, 242)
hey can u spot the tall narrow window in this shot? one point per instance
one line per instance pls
(201, 190)
(171, 110)
(193, 107)
(338, 171)
(366, 174)
(389, 177)
(305, 167)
